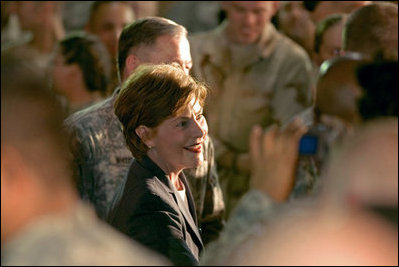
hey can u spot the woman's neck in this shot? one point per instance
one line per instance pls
(176, 182)
(171, 172)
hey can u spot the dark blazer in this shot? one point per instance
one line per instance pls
(151, 212)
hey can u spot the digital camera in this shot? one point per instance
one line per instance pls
(310, 144)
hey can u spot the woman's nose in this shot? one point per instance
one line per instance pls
(201, 129)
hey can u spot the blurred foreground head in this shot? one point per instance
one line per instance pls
(363, 170)
(311, 238)
(372, 31)
(343, 228)
(34, 151)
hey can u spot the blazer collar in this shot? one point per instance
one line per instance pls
(156, 171)
(148, 164)
(189, 214)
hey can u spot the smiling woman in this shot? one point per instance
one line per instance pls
(160, 108)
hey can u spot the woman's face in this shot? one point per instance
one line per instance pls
(62, 74)
(177, 142)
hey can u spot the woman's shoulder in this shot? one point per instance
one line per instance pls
(152, 196)
(144, 181)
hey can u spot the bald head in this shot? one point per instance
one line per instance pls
(337, 88)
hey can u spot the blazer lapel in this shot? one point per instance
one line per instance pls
(190, 198)
(189, 215)
(186, 213)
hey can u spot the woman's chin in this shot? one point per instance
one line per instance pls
(196, 162)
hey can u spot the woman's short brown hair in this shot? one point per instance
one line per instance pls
(152, 94)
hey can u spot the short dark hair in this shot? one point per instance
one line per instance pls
(310, 5)
(152, 94)
(144, 31)
(91, 55)
(379, 81)
(372, 31)
(323, 26)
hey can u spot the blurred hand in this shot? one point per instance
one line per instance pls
(273, 157)
(51, 19)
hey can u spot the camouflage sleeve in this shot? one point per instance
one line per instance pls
(306, 175)
(246, 220)
(82, 174)
(253, 208)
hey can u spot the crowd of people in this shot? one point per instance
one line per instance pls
(245, 133)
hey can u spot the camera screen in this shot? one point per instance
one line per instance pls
(308, 145)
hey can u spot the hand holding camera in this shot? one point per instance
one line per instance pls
(274, 154)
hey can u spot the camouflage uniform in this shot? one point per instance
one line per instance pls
(74, 238)
(102, 160)
(264, 83)
(247, 218)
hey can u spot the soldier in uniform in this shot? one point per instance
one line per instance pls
(43, 222)
(258, 76)
(107, 20)
(100, 153)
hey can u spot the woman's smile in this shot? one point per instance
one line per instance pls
(196, 148)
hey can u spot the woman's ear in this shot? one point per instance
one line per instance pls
(145, 135)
